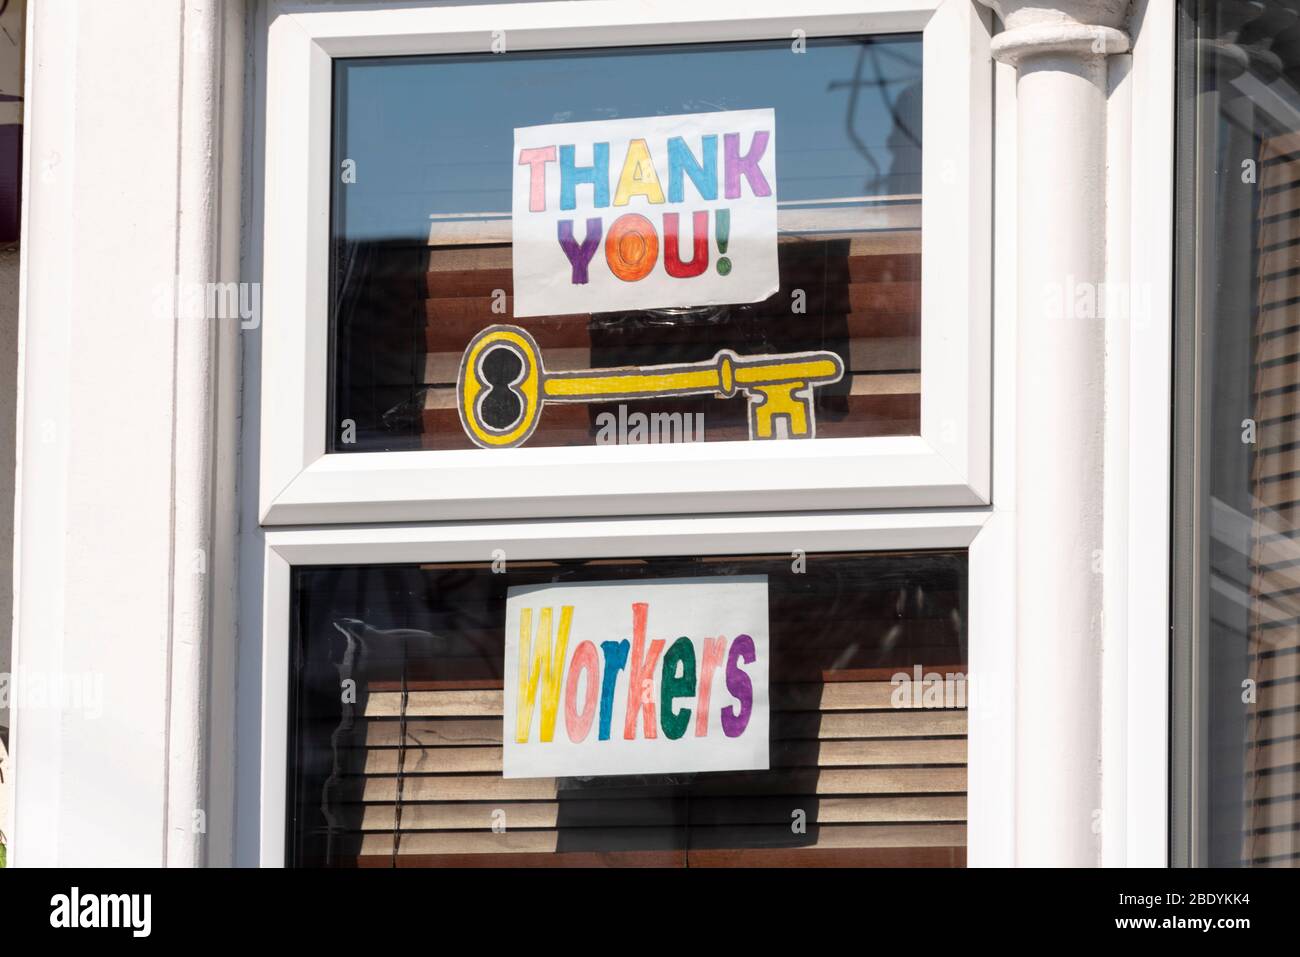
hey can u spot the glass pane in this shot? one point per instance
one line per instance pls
(1237, 600)
(396, 723)
(421, 228)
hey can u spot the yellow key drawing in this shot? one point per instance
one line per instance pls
(502, 386)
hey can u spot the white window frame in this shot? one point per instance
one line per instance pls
(985, 533)
(947, 465)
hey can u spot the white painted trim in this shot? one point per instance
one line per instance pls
(1114, 678)
(600, 538)
(202, 576)
(948, 464)
(1149, 438)
(991, 744)
(107, 589)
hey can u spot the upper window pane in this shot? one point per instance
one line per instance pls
(422, 257)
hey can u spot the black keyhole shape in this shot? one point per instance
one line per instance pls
(502, 405)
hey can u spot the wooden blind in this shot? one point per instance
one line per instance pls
(1272, 763)
(855, 779)
(405, 316)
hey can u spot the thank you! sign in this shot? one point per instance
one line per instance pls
(644, 677)
(653, 212)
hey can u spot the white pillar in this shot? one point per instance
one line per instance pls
(1059, 48)
(128, 169)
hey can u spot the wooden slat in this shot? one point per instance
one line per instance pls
(1279, 173)
(729, 857)
(1264, 785)
(1273, 844)
(450, 334)
(1285, 375)
(1275, 407)
(1279, 147)
(1276, 667)
(571, 425)
(447, 760)
(829, 857)
(1278, 754)
(1275, 204)
(1270, 697)
(894, 298)
(1283, 725)
(463, 816)
(492, 787)
(1281, 287)
(1274, 814)
(1284, 346)
(547, 841)
(811, 696)
(1277, 492)
(440, 732)
(1278, 432)
(670, 858)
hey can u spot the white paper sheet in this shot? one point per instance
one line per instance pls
(594, 207)
(592, 730)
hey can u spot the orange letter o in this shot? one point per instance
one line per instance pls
(632, 247)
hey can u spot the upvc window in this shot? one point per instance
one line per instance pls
(393, 537)
(387, 250)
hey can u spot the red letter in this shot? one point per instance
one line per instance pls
(713, 648)
(576, 722)
(641, 669)
(672, 254)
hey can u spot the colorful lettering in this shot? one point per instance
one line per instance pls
(615, 661)
(736, 720)
(596, 175)
(640, 674)
(700, 252)
(536, 160)
(586, 663)
(747, 165)
(714, 649)
(540, 661)
(704, 175)
(579, 255)
(638, 177)
(680, 657)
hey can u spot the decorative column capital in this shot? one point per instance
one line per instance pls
(1082, 28)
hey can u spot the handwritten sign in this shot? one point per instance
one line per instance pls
(636, 678)
(655, 212)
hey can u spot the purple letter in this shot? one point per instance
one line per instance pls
(580, 256)
(735, 721)
(735, 164)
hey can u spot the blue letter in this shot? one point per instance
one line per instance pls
(704, 177)
(615, 661)
(597, 174)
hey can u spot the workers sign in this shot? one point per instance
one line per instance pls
(654, 212)
(644, 677)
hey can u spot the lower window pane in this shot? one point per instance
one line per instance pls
(396, 743)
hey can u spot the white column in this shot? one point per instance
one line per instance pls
(1059, 49)
(119, 471)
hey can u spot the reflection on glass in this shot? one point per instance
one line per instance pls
(1236, 786)
(396, 722)
(421, 255)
